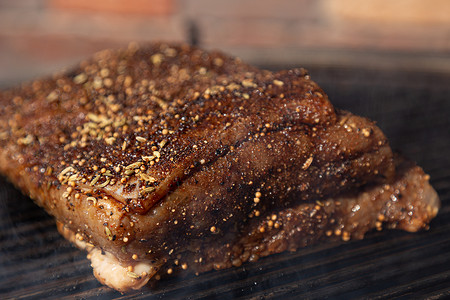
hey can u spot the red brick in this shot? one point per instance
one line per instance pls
(382, 12)
(143, 7)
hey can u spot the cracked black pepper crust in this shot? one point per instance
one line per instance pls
(143, 149)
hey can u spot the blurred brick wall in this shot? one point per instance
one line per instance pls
(39, 36)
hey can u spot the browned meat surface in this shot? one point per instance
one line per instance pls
(407, 203)
(169, 151)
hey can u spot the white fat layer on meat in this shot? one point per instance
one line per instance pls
(109, 271)
(118, 192)
(107, 268)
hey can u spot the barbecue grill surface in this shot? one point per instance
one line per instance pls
(413, 109)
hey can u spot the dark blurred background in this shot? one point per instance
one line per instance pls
(40, 36)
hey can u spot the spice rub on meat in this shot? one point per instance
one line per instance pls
(168, 156)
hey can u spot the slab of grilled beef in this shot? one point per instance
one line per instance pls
(168, 156)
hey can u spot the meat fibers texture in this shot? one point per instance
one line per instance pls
(166, 151)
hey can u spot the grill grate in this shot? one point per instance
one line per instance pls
(412, 108)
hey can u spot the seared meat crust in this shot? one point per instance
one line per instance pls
(141, 152)
(408, 203)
